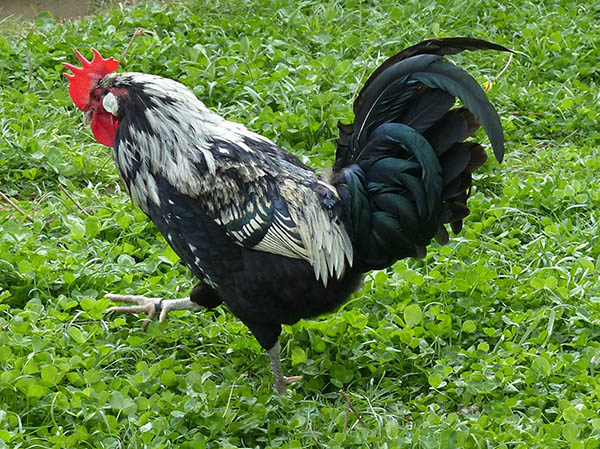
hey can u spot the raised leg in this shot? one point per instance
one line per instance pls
(150, 306)
(281, 382)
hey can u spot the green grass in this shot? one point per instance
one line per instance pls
(490, 342)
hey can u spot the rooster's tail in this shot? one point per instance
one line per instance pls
(402, 168)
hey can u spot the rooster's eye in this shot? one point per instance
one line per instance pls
(110, 104)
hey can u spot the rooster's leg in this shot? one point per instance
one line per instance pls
(150, 306)
(281, 382)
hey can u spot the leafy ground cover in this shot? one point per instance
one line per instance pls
(490, 342)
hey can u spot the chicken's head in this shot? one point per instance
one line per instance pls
(95, 101)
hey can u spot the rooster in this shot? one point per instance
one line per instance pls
(266, 235)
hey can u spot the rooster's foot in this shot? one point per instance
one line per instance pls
(150, 306)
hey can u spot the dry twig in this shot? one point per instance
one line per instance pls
(66, 192)
(488, 84)
(351, 407)
(139, 32)
(15, 207)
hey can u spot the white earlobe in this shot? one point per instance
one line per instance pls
(110, 104)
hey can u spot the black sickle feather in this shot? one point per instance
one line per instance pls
(428, 107)
(459, 83)
(441, 47)
(395, 84)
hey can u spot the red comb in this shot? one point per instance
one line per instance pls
(81, 79)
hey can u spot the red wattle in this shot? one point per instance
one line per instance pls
(104, 127)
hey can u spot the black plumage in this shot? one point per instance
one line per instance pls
(265, 234)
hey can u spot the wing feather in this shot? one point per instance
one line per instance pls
(281, 207)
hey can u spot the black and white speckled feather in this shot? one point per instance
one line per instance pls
(262, 195)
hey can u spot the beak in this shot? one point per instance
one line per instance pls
(87, 116)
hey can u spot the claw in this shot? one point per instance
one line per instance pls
(292, 379)
(149, 306)
(280, 385)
